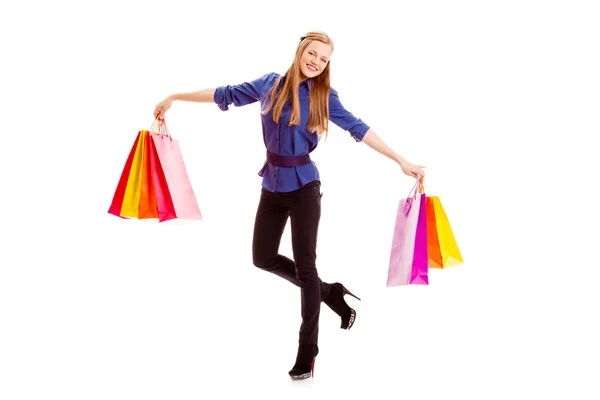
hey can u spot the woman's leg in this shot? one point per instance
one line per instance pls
(273, 211)
(269, 224)
(305, 215)
(271, 217)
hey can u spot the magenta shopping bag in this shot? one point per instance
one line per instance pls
(175, 174)
(408, 258)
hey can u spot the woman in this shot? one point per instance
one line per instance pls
(295, 112)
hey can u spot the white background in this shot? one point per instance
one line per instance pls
(499, 100)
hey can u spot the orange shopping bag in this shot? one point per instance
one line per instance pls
(148, 207)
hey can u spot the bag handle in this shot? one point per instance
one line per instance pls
(165, 129)
(155, 128)
(418, 188)
(159, 126)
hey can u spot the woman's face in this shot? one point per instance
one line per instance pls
(315, 59)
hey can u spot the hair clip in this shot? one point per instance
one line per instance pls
(302, 38)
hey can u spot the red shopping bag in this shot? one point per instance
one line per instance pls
(164, 202)
(117, 202)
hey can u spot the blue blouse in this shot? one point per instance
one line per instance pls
(290, 141)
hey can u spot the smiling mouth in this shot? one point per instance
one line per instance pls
(312, 68)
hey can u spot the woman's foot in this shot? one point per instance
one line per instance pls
(304, 367)
(335, 301)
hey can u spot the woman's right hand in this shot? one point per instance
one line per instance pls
(162, 107)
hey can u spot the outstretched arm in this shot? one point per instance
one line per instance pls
(362, 132)
(376, 143)
(224, 96)
(200, 96)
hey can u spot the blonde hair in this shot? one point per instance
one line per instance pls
(318, 120)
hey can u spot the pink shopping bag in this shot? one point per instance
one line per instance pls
(408, 258)
(175, 173)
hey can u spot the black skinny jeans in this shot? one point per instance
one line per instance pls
(303, 207)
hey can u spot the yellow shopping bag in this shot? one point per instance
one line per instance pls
(131, 199)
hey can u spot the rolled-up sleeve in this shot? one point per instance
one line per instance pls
(242, 94)
(345, 119)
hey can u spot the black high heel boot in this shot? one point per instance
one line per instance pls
(335, 301)
(304, 367)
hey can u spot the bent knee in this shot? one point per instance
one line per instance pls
(264, 262)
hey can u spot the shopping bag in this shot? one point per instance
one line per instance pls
(117, 202)
(142, 186)
(419, 270)
(164, 202)
(154, 182)
(442, 245)
(147, 204)
(131, 199)
(434, 254)
(175, 173)
(408, 257)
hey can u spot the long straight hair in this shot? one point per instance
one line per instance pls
(318, 119)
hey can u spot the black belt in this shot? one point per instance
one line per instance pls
(284, 161)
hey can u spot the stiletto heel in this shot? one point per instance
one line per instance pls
(346, 291)
(335, 301)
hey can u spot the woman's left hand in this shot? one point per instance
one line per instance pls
(412, 170)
